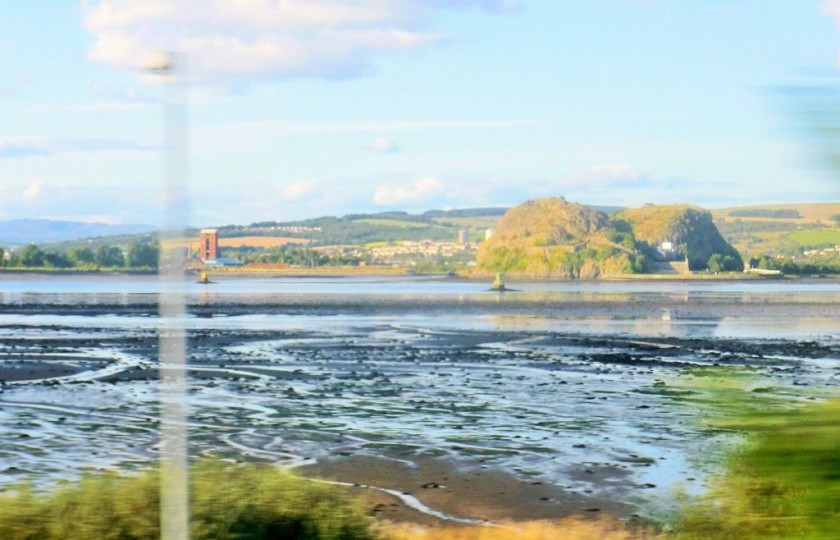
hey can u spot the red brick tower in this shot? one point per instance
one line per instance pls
(208, 244)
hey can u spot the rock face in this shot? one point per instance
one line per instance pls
(689, 230)
(551, 221)
(555, 238)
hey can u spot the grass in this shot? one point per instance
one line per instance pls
(227, 502)
(568, 529)
(814, 237)
(245, 502)
(783, 483)
(783, 480)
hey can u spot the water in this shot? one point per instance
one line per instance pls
(585, 385)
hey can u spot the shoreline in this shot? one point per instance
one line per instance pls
(368, 272)
(460, 493)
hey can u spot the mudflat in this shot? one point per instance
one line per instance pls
(447, 406)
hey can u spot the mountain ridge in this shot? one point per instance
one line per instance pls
(41, 231)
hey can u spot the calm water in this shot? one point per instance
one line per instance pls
(548, 382)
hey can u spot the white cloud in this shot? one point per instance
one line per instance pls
(832, 8)
(384, 145)
(235, 39)
(613, 172)
(420, 191)
(261, 130)
(34, 191)
(23, 146)
(302, 191)
(604, 175)
(20, 147)
(123, 94)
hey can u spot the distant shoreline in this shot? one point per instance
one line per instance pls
(338, 272)
(79, 272)
(368, 271)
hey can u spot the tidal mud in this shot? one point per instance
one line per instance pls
(528, 408)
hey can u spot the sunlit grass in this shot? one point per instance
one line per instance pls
(226, 502)
(783, 480)
(568, 529)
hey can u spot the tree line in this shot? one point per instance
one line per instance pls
(291, 256)
(138, 256)
(801, 267)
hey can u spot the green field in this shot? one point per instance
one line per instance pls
(477, 222)
(814, 237)
(808, 212)
(393, 223)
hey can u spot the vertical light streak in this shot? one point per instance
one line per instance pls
(172, 310)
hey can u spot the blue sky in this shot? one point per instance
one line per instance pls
(300, 108)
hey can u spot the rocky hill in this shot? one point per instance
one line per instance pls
(555, 238)
(689, 230)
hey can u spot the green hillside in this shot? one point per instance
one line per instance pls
(780, 229)
(555, 238)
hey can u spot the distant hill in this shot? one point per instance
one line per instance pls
(44, 231)
(393, 226)
(780, 229)
(800, 213)
(555, 238)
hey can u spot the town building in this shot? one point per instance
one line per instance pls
(463, 236)
(208, 244)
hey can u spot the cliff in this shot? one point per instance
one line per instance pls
(690, 231)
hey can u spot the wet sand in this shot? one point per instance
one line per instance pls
(467, 492)
(478, 407)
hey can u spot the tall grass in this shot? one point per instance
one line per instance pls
(568, 529)
(783, 483)
(226, 502)
(783, 480)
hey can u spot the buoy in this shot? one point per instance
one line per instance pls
(203, 278)
(498, 284)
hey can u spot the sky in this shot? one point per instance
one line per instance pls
(303, 108)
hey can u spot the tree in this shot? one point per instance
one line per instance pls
(109, 256)
(57, 260)
(715, 263)
(143, 255)
(31, 256)
(504, 259)
(724, 263)
(82, 256)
